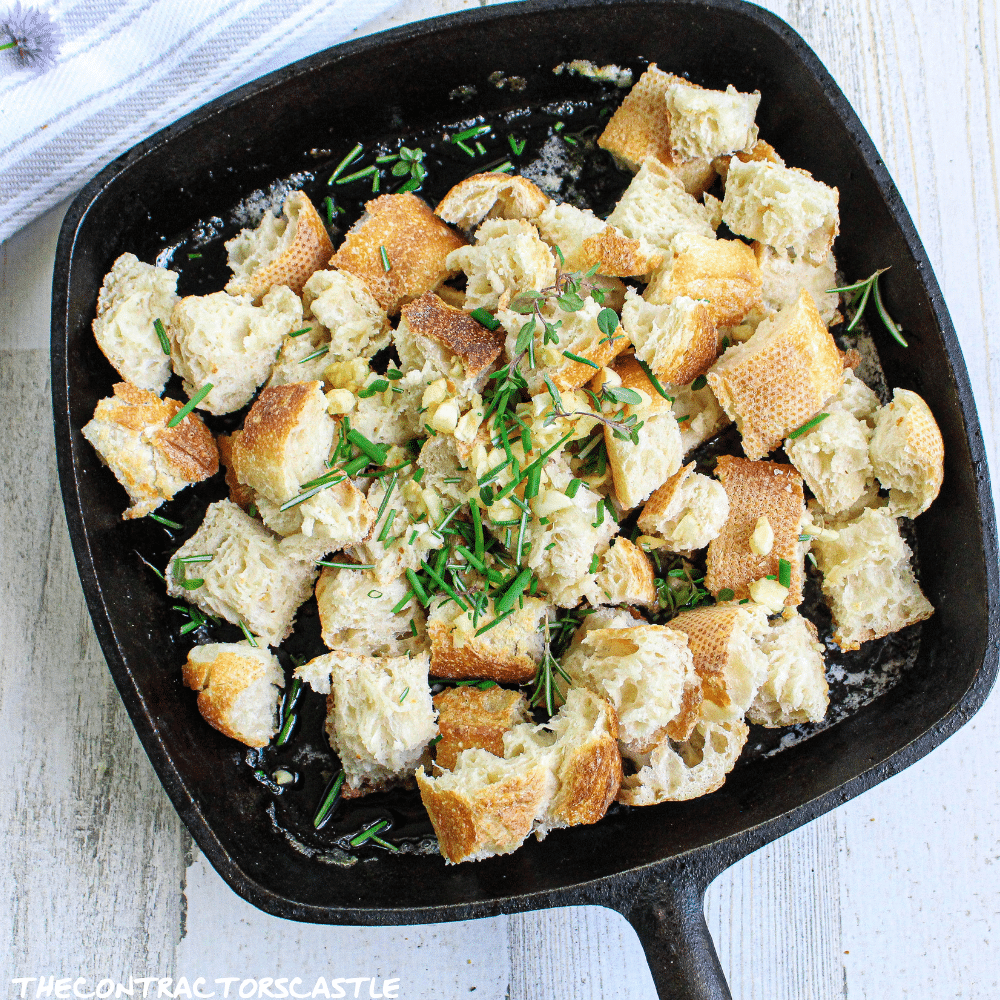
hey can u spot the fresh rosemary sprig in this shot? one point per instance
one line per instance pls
(857, 298)
(547, 691)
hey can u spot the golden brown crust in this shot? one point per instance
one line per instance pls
(760, 150)
(709, 630)
(219, 683)
(633, 377)
(614, 253)
(656, 507)
(627, 574)
(240, 494)
(590, 778)
(682, 724)
(416, 243)
(468, 717)
(475, 659)
(476, 346)
(757, 489)
(472, 200)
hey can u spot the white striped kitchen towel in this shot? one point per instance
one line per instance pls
(126, 68)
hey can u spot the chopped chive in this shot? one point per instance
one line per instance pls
(390, 517)
(194, 256)
(331, 796)
(378, 453)
(581, 361)
(166, 522)
(385, 499)
(368, 833)
(558, 127)
(316, 354)
(413, 537)
(496, 621)
(600, 515)
(687, 416)
(355, 465)
(328, 206)
(551, 545)
(725, 594)
(516, 145)
(515, 589)
(418, 475)
(573, 488)
(376, 181)
(161, 335)
(595, 561)
(410, 594)
(357, 175)
(190, 404)
(386, 266)
(413, 626)
(374, 594)
(490, 475)
(468, 150)
(402, 697)
(250, 637)
(809, 425)
(534, 482)
(379, 385)
(470, 133)
(654, 381)
(487, 319)
(480, 149)
(195, 559)
(784, 573)
(418, 587)
(345, 162)
(298, 333)
(440, 581)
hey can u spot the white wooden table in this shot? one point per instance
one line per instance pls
(896, 894)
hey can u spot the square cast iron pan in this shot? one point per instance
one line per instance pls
(650, 864)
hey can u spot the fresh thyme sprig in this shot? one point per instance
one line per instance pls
(678, 588)
(857, 298)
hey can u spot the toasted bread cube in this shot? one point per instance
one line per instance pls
(675, 772)
(698, 414)
(759, 151)
(586, 241)
(855, 398)
(677, 339)
(723, 641)
(441, 458)
(391, 417)
(230, 343)
(302, 357)
(780, 377)
(795, 690)
(249, 579)
(133, 296)
(722, 273)
(907, 453)
(284, 251)
(648, 675)
(469, 717)
(638, 469)
(240, 494)
(285, 441)
(491, 196)
(868, 580)
(416, 244)
(358, 326)
(783, 207)
(656, 208)
(510, 652)
(639, 131)
(687, 511)
(756, 490)
(152, 461)
(624, 576)
(783, 280)
(832, 458)
(238, 689)
(508, 257)
(709, 123)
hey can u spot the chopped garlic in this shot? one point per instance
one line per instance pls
(769, 593)
(762, 539)
(340, 401)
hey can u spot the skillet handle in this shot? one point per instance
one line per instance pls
(670, 921)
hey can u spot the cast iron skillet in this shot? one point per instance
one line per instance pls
(653, 864)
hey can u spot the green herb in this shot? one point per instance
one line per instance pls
(808, 425)
(418, 587)
(194, 256)
(161, 335)
(369, 834)
(581, 361)
(402, 697)
(379, 385)
(573, 488)
(413, 626)
(784, 573)
(410, 594)
(387, 527)
(471, 133)
(345, 162)
(483, 316)
(190, 404)
(287, 712)
(468, 150)
(607, 323)
(316, 354)
(298, 333)
(857, 297)
(357, 175)
(653, 380)
(195, 559)
(331, 796)
(328, 206)
(699, 383)
(378, 453)
(726, 594)
(345, 565)
(503, 168)
(512, 592)
(386, 266)
(516, 145)
(622, 394)
(546, 680)
(166, 522)
(595, 561)
(250, 637)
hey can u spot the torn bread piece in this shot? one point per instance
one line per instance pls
(780, 377)
(240, 494)
(399, 249)
(248, 579)
(855, 398)
(796, 689)
(677, 339)
(675, 772)
(784, 207)
(384, 410)
(687, 512)
(907, 453)
(303, 355)
(868, 579)
(698, 415)
(228, 342)
(152, 461)
(705, 124)
(133, 297)
(648, 675)
(358, 325)
(491, 196)
(469, 717)
(509, 652)
(766, 501)
(239, 689)
(624, 576)
(723, 639)
(759, 151)
(723, 274)
(280, 251)
(783, 279)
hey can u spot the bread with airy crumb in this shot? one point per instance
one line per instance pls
(783, 279)
(154, 462)
(240, 494)
(907, 453)
(491, 196)
(705, 123)
(358, 325)
(133, 296)
(796, 689)
(239, 689)
(415, 242)
(624, 576)
(855, 398)
(469, 717)
(759, 151)
(780, 377)
(698, 415)
(688, 511)
(304, 356)
(280, 251)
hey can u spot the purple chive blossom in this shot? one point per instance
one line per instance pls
(31, 36)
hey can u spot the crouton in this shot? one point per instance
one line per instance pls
(759, 151)
(469, 717)
(783, 279)
(491, 196)
(240, 494)
(358, 325)
(152, 461)
(624, 576)
(795, 690)
(709, 123)
(303, 356)
(698, 414)
(856, 398)
(687, 511)
(133, 297)
(392, 415)
(238, 689)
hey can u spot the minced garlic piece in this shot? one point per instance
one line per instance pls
(762, 539)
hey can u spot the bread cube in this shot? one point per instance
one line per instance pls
(856, 398)
(358, 326)
(676, 772)
(469, 718)
(688, 511)
(624, 576)
(868, 580)
(656, 208)
(677, 339)
(133, 296)
(907, 453)
(783, 207)
(722, 273)
(723, 641)
(709, 123)
(780, 377)
(795, 690)
(304, 356)
(698, 414)
(393, 415)
(282, 251)
(759, 151)
(647, 674)
(508, 257)
(239, 689)
(152, 461)
(249, 579)
(783, 279)
(240, 494)
(491, 196)
(226, 341)
(416, 243)
(586, 241)
(510, 652)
